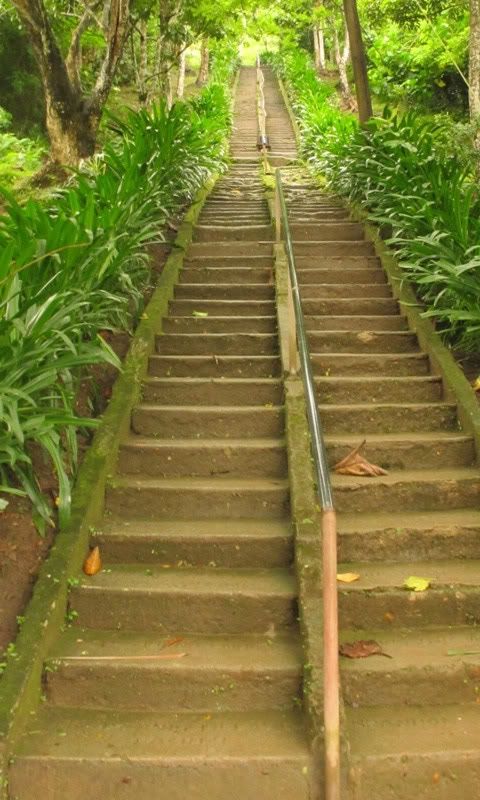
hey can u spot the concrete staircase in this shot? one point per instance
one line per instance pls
(412, 720)
(197, 547)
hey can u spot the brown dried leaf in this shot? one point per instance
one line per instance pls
(93, 562)
(356, 464)
(171, 642)
(363, 648)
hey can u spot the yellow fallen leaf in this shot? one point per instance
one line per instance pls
(347, 577)
(417, 584)
(476, 385)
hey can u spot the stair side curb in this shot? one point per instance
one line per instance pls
(20, 684)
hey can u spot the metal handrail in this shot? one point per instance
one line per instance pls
(331, 681)
(262, 140)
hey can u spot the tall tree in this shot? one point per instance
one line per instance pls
(359, 60)
(72, 116)
(474, 64)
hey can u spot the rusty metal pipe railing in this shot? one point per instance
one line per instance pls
(331, 681)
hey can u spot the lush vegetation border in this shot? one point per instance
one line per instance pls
(21, 682)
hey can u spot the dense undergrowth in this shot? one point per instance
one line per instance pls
(74, 269)
(413, 178)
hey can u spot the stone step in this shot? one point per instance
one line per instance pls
(350, 291)
(399, 451)
(327, 231)
(371, 418)
(420, 671)
(187, 600)
(197, 542)
(215, 366)
(368, 389)
(311, 214)
(434, 755)
(208, 324)
(223, 308)
(318, 248)
(212, 391)
(224, 291)
(362, 341)
(379, 599)
(415, 536)
(217, 343)
(243, 233)
(211, 497)
(356, 364)
(195, 457)
(408, 490)
(233, 262)
(234, 274)
(387, 322)
(345, 275)
(216, 674)
(212, 422)
(341, 306)
(318, 261)
(129, 755)
(229, 249)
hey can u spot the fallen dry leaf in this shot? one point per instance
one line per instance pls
(363, 648)
(171, 642)
(93, 562)
(356, 464)
(347, 577)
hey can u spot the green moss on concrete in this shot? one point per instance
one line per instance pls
(21, 683)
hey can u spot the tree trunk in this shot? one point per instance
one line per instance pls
(319, 48)
(182, 63)
(474, 62)
(72, 119)
(341, 61)
(359, 61)
(141, 68)
(204, 64)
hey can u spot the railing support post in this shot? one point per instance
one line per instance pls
(331, 679)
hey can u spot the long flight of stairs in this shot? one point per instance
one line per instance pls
(198, 547)
(412, 720)
(182, 675)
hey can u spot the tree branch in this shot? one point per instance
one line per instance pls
(73, 60)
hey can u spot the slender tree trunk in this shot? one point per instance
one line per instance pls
(474, 62)
(359, 61)
(204, 64)
(182, 63)
(341, 60)
(319, 48)
(142, 66)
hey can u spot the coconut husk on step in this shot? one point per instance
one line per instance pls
(356, 464)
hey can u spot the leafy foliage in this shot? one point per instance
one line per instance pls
(77, 268)
(402, 169)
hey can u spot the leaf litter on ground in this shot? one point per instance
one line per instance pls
(363, 648)
(355, 464)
